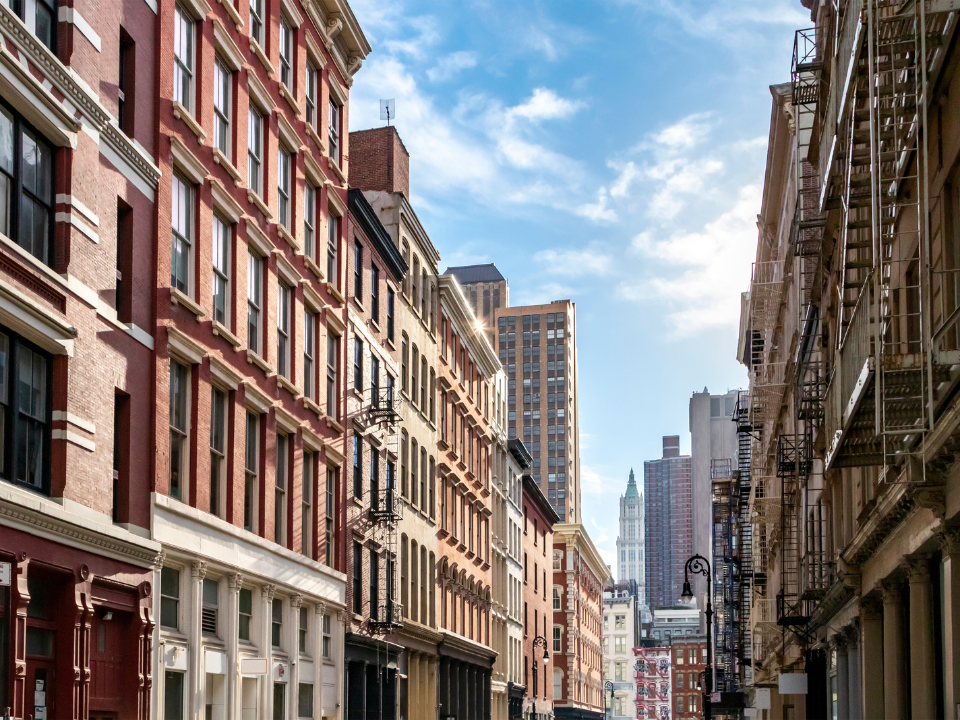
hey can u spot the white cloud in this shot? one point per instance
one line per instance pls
(428, 33)
(628, 173)
(598, 211)
(450, 65)
(574, 262)
(701, 273)
(545, 104)
(594, 483)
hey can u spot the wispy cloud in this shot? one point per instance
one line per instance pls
(575, 262)
(532, 294)
(452, 64)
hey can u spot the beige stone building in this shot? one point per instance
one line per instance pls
(851, 338)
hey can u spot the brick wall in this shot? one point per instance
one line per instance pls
(379, 161)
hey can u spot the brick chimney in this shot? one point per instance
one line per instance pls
(379, 161)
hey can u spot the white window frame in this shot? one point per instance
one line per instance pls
(183, 231)
(221, 268)
(285, 161)
(284, 340)
(222, 106)
(255, 149)
(254, 300)
(184, 68)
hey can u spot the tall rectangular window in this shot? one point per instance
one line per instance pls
(283, 329)
(280, 492)
(333, 232)
(179, 402)
(302, 630)
(286, 53)
(184, 49)
(26, 187)
(358, 271)
(256, 21)
(327, 646)
(254, 295)
(251, 480)
(126, 82)
(276, 623)
(222, 82)
(310, 221)
(375, 293)
(210, 607)
(284, 163)
(357, 578)
(358, 365)
(311, 94)
(279, 701)
(182, 228)
(309, 349)
(169, 598)
(357, 466)
(254, 150)
(40, 17)
(245, 613)
(333, 132)
(24, 413)
(390, 300)
(173, 695)
(306, 506)
(333, 353)
(374, 381)
(218, 456)
(374, 585)
(221, 271)
(330, 508)
(374, 479)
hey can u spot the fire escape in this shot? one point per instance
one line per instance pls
(727, 575)
(385, 511)
(744, 529)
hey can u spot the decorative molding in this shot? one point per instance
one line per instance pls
(950, 540)
(186, 161)
(296, 601)
(235, 581)
(917, 568)
(199, 569)
(268, 591)
(227, 48)
(932, 497)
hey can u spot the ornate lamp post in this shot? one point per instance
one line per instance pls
(607, 688)
(540, 641)
(698, 565)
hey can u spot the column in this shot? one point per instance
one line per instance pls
(339, 658)
(234, 583)
(462, 691)
(950, 544)
(266, 682)
(842, 681)
(293, 643)
(487, 689)
(923, 684)
(853, 672)
(318, 611)
(433, 696)
(871, 622)
(195, 667)
(894, 697)
(443, 682)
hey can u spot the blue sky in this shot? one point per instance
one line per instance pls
(607, 151)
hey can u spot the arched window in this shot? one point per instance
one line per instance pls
(423, 384)
(433, 585)
(433, 396)
(413, 472)
(404, 361)
(414, 580)
(425, 295)
(414, 370)
(432, 481)
(406, 259)
(414, 288)
(403, 575)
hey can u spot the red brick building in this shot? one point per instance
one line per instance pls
(543, 640)
(76, 348)
(689, 660)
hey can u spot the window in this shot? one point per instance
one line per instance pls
(620, 644)
(357, 469)
(357, 578)
(283, 187)
(182, 229)
(211, 602)
(620, 622)
(245, 613)
(358, 271)
(390, 300)
(276, 622)
(25, 418)
(306, 506)
(302, 628)
(374, 479)
(375, 293)
(305, 700)
(179, 387)
(374, 585)
(256, 21)
(404, 357)
(330, 507)
(280, 493)
(358, 365)
(311, 95)
(374, 381)
(218, 457)
(309, 347)
(172, 695)
(327, 638)
(283, 329)
(254, 150)
(221, 271)
(556, 598)
(333, 346)
(254, 301)
(222, 82)
(279, 701)
(169, 598)
(556, 639)
(333, 232)
(183, 55)
(333, 132)
(286, 53)
(251, 464)
(123, 297)
(309, 221)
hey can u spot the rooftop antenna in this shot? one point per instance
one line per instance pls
(388, 109)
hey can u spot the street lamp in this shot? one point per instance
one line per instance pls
(540, 641)
(607, 688)
(698, 565)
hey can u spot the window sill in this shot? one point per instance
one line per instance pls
(262, 57)
(312, 134)
(255, 198)
(223, 161)
(219, 329)
(333, 165)
(232, 12)
(287, 95)
(288, 386)
(336, 293)
(254, 359)
(179, 111)
(312, 406)
(334, 425)
(313, 267)
(178, 297)
(288, 236)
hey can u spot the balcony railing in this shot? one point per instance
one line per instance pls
(386, 506)
(385, 405)
(389, 618)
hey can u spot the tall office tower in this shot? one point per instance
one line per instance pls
(713, 450)
(486, 291)
(537, 346)
(630, 543)
(669, 522)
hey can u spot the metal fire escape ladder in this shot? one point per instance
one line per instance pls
(744, 526)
